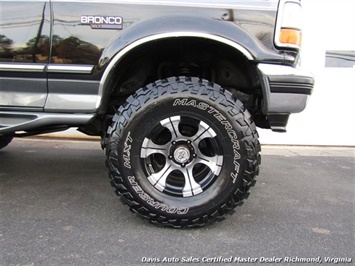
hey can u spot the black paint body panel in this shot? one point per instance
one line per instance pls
(27, 36)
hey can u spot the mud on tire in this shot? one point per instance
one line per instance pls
(182, 152)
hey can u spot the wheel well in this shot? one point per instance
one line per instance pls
(189, 56)
(198, 57)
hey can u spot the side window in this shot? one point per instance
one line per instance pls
(25, 32)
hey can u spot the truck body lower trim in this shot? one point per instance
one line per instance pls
(285, 89)
(24, 121)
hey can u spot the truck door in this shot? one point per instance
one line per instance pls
(24, 53)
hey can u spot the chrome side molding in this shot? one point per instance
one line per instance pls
(30, 67)
(50, 68)
(69, 68)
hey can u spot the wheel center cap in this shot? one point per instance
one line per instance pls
(182, 155)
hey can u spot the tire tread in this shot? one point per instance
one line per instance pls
(196, 86)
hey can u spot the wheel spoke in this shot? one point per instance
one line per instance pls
(204, 131)
(191, 187)
(159, 179)
(214, 163)
(149, 148)
(172, 124)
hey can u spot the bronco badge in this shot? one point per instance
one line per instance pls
(100, 22)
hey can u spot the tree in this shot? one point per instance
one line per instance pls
(5, 46)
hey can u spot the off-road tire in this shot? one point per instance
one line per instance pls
(5, 140)
(194, 127)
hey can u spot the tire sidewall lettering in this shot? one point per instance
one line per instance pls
(127, 146)
(224, 122)
(149, 200)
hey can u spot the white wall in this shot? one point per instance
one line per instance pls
(329, 118)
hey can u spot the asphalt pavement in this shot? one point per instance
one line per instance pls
(57, 207)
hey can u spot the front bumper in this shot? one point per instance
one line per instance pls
(286, 90)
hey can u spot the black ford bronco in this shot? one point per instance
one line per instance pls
(174, 88)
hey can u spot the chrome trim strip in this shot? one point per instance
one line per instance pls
(30, 67)
(67, 68)
(133, 45)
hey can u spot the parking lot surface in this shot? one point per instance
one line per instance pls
(58, 208)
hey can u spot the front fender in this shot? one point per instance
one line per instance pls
(223, 31)
(150, 30)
